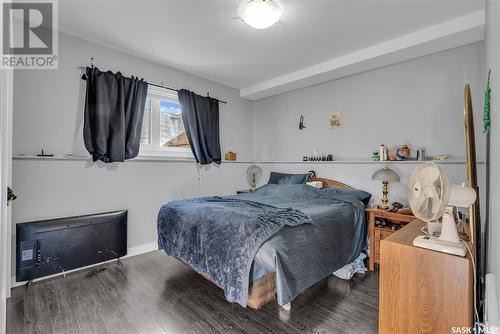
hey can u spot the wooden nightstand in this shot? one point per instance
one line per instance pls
(377, 234)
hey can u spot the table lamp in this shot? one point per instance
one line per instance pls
(385, 175)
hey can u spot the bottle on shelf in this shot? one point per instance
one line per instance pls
(383, 152)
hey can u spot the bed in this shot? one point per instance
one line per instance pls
(275, 242)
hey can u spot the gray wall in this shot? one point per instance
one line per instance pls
(48, 104)
(48, 110)
(417, 102)
(48, 189)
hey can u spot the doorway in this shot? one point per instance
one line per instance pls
(6, 94)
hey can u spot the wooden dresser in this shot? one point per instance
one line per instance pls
(422, 291)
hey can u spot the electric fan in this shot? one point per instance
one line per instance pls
(253, 175)
(431, 197)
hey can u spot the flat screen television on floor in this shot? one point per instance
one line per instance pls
(54, 246)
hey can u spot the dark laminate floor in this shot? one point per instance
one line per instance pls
(153, 293)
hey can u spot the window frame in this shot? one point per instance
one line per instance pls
(154, 149)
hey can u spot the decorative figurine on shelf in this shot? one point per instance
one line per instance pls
(375, 156)
(399, 153)
(382, 152)
(316, 156)
(322, 157)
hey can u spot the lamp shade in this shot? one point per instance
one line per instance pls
(261, 14)
(385, 174)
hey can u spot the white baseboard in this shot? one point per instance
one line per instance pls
(132, 251)
(146, 248)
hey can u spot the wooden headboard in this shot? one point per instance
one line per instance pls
(330, 183)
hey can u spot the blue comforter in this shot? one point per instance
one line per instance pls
(221, 236)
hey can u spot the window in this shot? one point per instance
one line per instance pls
(163, 132)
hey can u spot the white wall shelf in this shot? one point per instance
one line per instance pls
(88, 158)
(284, 162)
(366, 162)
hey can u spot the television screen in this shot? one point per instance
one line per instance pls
(54, 246)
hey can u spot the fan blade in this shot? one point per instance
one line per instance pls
(421, 204)
(429, 175)
(431, 192)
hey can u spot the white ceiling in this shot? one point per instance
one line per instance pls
(208, 39)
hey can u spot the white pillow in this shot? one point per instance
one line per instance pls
(315, 184)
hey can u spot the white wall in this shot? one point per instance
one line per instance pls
(417, 102)
(49, 189)
(49, 103)
(48, 114)
(493, 62)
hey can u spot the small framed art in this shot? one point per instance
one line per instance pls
(336, 120)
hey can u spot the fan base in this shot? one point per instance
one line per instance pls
(433, 243)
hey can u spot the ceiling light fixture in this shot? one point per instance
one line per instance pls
(261, 14)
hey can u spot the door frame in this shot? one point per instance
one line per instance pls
(6, 97)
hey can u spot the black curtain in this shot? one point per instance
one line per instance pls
(114, 108)
(200, 115)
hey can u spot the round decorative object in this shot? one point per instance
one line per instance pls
(399, 153)
(403, 153)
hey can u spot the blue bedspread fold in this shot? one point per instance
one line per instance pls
(220, 236)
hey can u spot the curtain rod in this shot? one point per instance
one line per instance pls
(164, 87)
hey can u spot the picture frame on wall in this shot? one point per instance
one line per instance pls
(336, 119)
